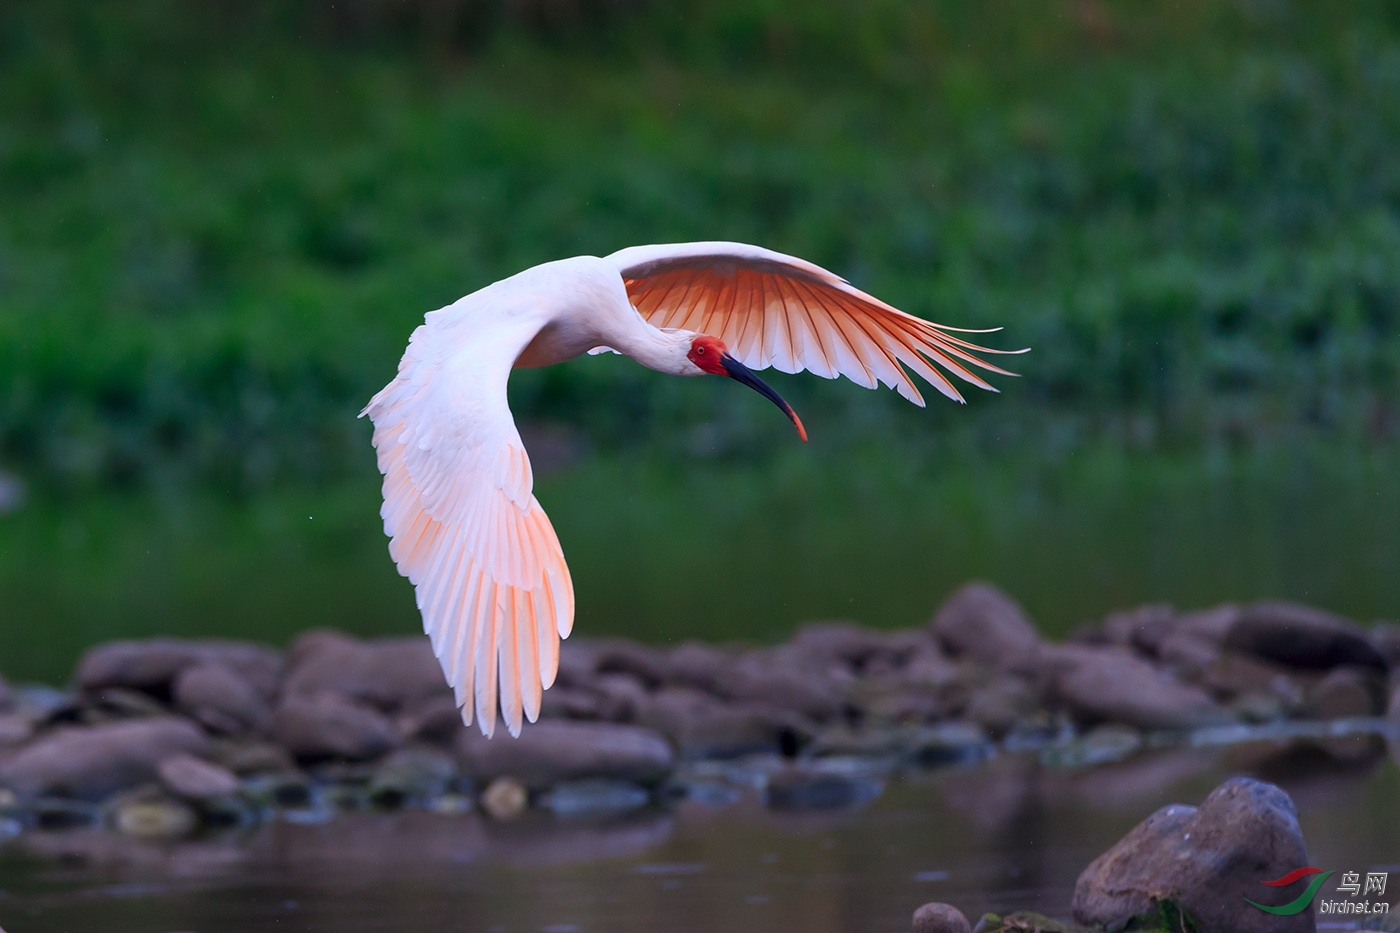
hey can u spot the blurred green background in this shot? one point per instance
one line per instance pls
(220, 221)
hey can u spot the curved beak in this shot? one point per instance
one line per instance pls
(741, 373)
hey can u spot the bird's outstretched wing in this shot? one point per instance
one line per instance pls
(780, 311)
(486, 566)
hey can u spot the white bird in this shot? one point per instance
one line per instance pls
(465, 528)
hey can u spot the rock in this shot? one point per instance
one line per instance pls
(619, 697)
(980, 623)
(1393, 711)
(1142, 629)
(1345, 692)
(579, 798)
(1100, 745)
(153, 664)
(697, 665)
(1111, 685)
(1386, 637)
(15, 729)
(108, 703)
(1207, 860)
(950, 743)
(329, 725)
(621, 656)
(153, 819)
(436, 719)
(548, 752)
(702, 727)
(94, 762)
(998, 706)
(940, 918)
(195, 779)
(838, 643)
(393, 674)
(245, 758)
(772, 680)
(1232, 674)
(800, 788)
(505, 799)
(5, 696)
(1302, 637)
(56, 813)
(413, 775)
(221, 699)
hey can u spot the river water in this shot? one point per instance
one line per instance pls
(1012, 833)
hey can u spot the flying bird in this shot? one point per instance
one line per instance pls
(488, 572)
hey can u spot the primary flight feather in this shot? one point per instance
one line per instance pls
(464, 526)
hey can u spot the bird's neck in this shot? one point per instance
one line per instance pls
(663, 351)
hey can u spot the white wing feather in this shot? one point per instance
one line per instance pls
(489, 575)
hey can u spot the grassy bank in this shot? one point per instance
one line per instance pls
(221, 222)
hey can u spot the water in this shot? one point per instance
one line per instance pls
(1009, 834)
(735, 551)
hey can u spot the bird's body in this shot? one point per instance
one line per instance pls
(465, 528)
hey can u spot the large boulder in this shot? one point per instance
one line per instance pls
(1113, 685)
(980, 623)
(95, 762)
(331, 725)
(153, 664)
(940, 918)
(392, 674)
(220, 698)
(1209, 860)
(1302, 637)
(548, 752)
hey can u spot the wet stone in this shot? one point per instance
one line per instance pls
(803, 789)
(1345, 693)
(505, 799)
(195, 779)
(940, 918)
(583, 798)
(153, 819)
(220, 699)
(411, 776)
(55, 813)
(1207, 859)
(549, 752)
(950, 743)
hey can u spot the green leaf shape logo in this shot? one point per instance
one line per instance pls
(1300, 904)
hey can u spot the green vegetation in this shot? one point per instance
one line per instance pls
(221, 222)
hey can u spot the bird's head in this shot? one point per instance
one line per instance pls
(710, 355)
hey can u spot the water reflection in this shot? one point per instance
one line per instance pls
(1011, 833)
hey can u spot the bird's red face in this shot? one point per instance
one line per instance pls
(712, 356)
(706, 351)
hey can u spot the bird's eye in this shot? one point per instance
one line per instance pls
(699, 349)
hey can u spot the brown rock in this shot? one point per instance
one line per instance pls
(330, 725)
(621, 656)
(95, 762)
(196, 779)
(152, 665)
(244, 758)
(1142, 629)
(1233, 674)
(1346, 692)
(220, 698)
(843, 643)
(940, 918)
(1302, 637)
(980, 623)
(15, 728)
(1111, 685)
(1208, 860)
(702, 727)
(773, 679)
(392, 674)
(548, 752)
(697, 665)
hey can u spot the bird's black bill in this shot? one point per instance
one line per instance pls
(741, 373)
